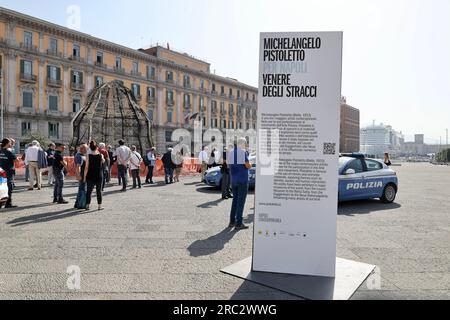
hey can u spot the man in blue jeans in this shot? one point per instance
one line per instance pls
(239, 166)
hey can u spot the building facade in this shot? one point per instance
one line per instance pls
(350, 125)
(47, 71)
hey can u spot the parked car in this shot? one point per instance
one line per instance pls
(213, 176)
(362, 178)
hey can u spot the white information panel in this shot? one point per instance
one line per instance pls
(298, 153)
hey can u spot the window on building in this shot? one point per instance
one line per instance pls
(216, 123)
(151, 92)
(25, 128)
(26, 67)
(222, 90)
(224, 124)
(239, 94)
(53, 45)
(76, 51)
(187, 100)
(77, 77)
(150, 114)
(204, 121)
(135, 67)
(231, 108)
(28, 38)
(53, 73)
(254, 98)
(231, 92)
(186, 81)
(213, 88)
(202, 84)
(53, 130)
(247, 127)
(231, 124)
(246, 96)
(136, 89)
(27, 99)
(169, 117)
(169, 76)
(151, 72)
(254, 126)
(98, 81)
(118, 62)
(240, 125)
(169, 95)
(168, 136)
(53, 103)
(76, 105)
(99, 58)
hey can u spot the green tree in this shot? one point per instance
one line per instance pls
(39, 137)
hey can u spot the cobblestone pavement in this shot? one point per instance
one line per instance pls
(169, 242)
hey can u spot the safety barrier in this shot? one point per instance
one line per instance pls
(190, 167)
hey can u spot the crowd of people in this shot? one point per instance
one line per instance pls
(94, 161)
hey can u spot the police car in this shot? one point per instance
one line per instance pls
(361, 178)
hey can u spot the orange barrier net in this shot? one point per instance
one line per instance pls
(190, 167)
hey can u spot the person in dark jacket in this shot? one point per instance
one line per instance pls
(93, 174)
(169, 166)
(226, 180)
(59, 164)
(7, 160)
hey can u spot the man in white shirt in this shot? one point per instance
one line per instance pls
(123, 154)
(31, 160)
(203, 160)
(135, 166)
(151, 160)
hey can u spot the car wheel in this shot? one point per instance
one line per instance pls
(389, 194)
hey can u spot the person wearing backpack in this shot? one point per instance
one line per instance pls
(135, 166)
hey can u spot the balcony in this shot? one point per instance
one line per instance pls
(77, 86)
(25, 77)
(54, 53)
(186, 85)
(170, 103)
(101, 65)
(138, 97)
(223, 94)
(231, 96)
(136, 73)
(29, 47)
(77, 58)
(119, 70)
(54, 83)
(54, 113)
(213, 92)
(186, 105)
(170, 81)
(151, 99)
(26, 110)
(151, 77)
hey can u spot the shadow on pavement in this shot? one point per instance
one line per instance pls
(352, 208)
(212, 190)
(193, 183)
(45, 217)
(32, 206)
(211, 245)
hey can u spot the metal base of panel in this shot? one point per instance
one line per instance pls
(349, 277)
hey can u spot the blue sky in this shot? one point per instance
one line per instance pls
(396, 66)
